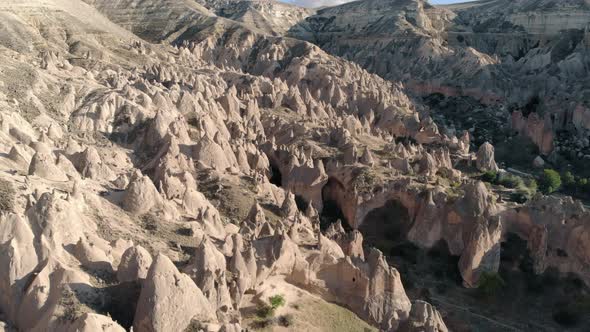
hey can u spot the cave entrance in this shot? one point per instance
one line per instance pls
(386, 227)
(332, 194)
(276, 177)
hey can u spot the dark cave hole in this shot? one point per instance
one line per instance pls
(301, 203)
(386, 227)
(331, 211)
(117, 301)
(276, 177)
(123, 301)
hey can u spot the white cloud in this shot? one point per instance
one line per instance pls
(317, 3)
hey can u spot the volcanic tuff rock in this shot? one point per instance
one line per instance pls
(498, 52)
(166, 162)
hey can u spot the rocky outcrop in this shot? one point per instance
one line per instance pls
(134, 264)
(93, 322)
(482, 252)
(372, 289)
(485, 158)
(141, 195)
(205, 145)
(169, 300)
(424, 317)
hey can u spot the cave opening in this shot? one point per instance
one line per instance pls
(386, 227)
(301, 202)
(332, 193)
(276, 177)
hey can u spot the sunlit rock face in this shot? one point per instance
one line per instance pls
(170, 165)
(502, 52)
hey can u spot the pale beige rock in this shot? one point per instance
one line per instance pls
(141, 195)
(134, 264)
(485, 158)
(90, 322)
(482, 251)
(424, 318)
(169, 300)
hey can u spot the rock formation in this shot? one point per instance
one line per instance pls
(169, 165)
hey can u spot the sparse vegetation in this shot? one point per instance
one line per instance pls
(550, 181)
(490, 283)
(503, 179)
(6, 196)
(366, 180)
(569, 181)
(72, 308)
(525, 189)
(510, 181)
(264, 311)
(276, 301)
(286, 320)
(489, 176)
(267, 310)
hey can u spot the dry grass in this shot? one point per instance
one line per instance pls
(7, 195)
(315, 315)
(318, 315)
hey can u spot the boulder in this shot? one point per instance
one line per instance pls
(134, 265)
(485, 158)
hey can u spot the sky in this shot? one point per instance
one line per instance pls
(321, 3)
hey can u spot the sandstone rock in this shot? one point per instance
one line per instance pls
(90, 322)
(169, 300)
(92, 256)
(44, 165)
(424, 318)
(373, 289)
(485, 158)
(289, 207)
(134, 264)
(482, 252)
(141, 195)
(208, 270)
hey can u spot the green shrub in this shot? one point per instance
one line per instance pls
(490, 283)
(489, 176)
(276, 301)
(519, 197)
(532, 186)
(264, 311)
(568, 179)
(510, 181)
(550, 181)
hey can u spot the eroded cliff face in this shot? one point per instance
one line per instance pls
(166, 168)
(120, 153)
(498, 52)
(271, 17)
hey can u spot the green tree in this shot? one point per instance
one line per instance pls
(569, 181)
(550, 181)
